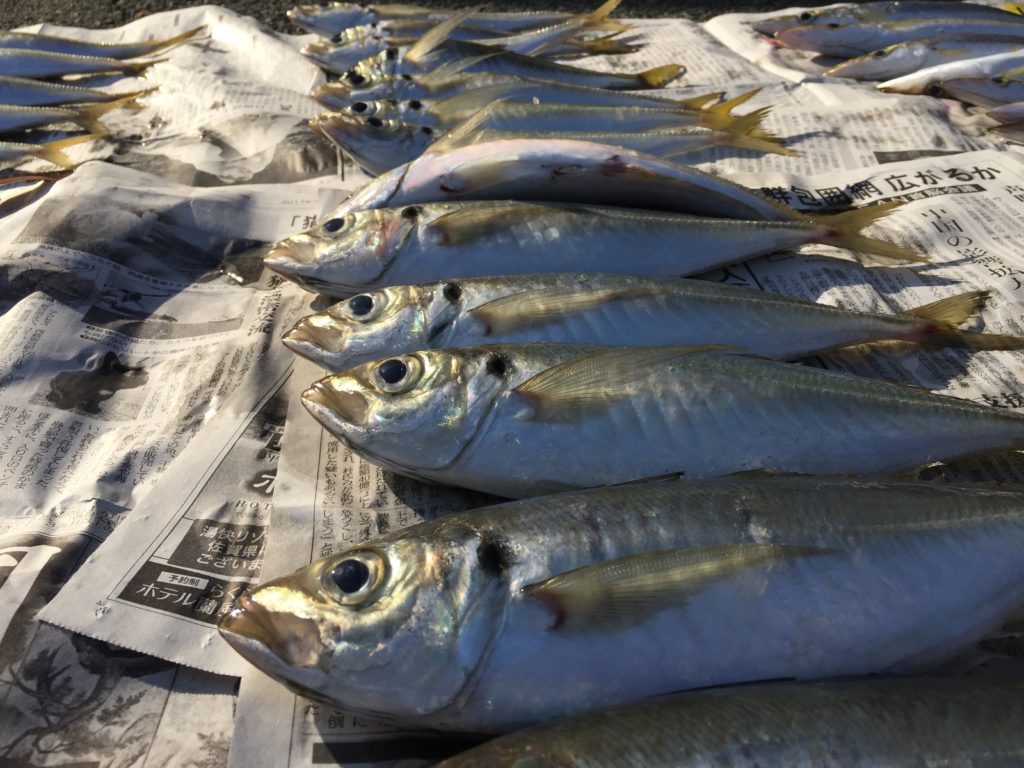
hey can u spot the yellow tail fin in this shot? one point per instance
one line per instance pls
(745, 132)
(941, 318)
(954, 310)
(719, 116)
(844, 230)
(171, 42)
(138, 67)
(657, 77)
(53, 152)
(89, 115)
(700, 102)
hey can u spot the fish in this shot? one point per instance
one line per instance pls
(14, 153)
(395, 62)
(329, 18)
(982, 92)
(905, 58)
(528, 419)
(922, 81)
(18, 191)
(857, 39)
(1008, 113)
(376, 144)
(823, 724)
(614, 310)
(17, 62)
(496, 618)
(559, 171)
(887, 10)
(346, 49)
(13, 118)
(26, 92)
(443, 241)
(120, 50)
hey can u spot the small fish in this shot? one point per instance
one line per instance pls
(14, 153)
(17, 62)
(87, 115)
(560, 171)
(613, 310)
(864, 37)
(47, 43)
(499, 617)
(442, 241)
(328, 18)
(905, 58)
(395, 62)
(26, 92)
(827, 725)
(522, 420)
(982, 92)
(376, 144)
(885, 11)
(984, 67)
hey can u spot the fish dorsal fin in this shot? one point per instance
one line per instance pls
(456, 137)
(478, 98)
(471, 222)
(593, 20)
(436, 35)
(573, 389)
(447, 71)
(538, 307)
(619, 594)
(953, 310)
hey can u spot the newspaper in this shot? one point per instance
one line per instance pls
(229, 107)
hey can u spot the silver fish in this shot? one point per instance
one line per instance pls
(441, 241)
(887, 10)
(17, 62)
(15, 118)
(331, 17)
(856, 39)
(496, 618)
(14, 153)
(894, 722)
(522, 420)
(982, 92)
(1008, 113)
(560, 171)
(394, 62)
(26, 92)
(613, 310)
(922, 80)
(122, 50)
(905, 58)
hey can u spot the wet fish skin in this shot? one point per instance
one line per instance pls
(896, 722)
(17, 62)
(70, 46)
(445, 620)
(922, 80)
(26, 92)
(982, 92)
(1008, 113)
(886, 10)
(906, 58)
(553, 411)
(17, 118)
(376, 144)
(857, 39)
(605, 309)
(425, 242)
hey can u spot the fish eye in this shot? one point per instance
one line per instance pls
(365, 306)
(934, 90)
(336, 38)
(410, 212)
(391, 54)
(407, 78)
(375, 122)
(427, 130)
(355, 579)
(331, 226)
(359, 107)
(879, 53)
(806, 16)
(397, 374)
(354, 77)
(452, 292)
(415, 104)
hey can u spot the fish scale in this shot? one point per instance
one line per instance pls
(851, 603)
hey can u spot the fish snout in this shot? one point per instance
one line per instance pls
(322, 399)
(334, 125)
(308, 335)
(286, 255)
(247, 619)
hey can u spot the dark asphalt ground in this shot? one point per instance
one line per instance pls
(112, 13)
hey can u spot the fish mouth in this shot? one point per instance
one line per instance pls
(334, 125)
(308, 339)
(329, 405)
(287, 256)
(246, 621)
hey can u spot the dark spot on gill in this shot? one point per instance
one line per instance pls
(494, 556)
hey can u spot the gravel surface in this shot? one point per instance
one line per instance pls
(112, 13)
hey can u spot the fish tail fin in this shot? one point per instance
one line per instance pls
(941, 318)
(172, 42)
(89, 115)
(138, 67)
(605, 46)
(720, 116)
(844, 230)
(700, 102)
(130, 99)
(657, 77)
(53, 152)
(606, 9)
(746, 132)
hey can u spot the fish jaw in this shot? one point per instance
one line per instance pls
(323, 345)
(294, 259)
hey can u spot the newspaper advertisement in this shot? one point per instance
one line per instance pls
(328, 499)
(227, 107)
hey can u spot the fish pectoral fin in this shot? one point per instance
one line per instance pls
(529, 309)
(447, 71)
(573, 389)
(456, 137)
(436, 35)
(618, 594)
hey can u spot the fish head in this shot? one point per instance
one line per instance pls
(364, 110)
(378, 144)
(366, 327)
(393, 628)
(882, 63)
(374, 70)
(831, 39)
(412, 412)
(325, 18)
(344, 253)
(343, 49)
